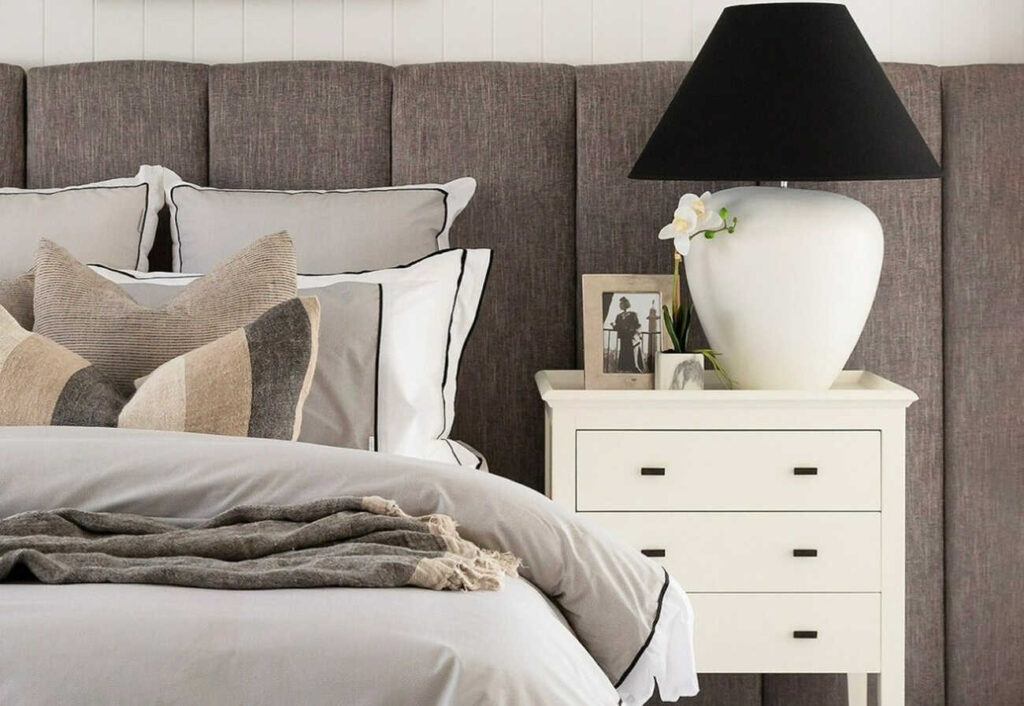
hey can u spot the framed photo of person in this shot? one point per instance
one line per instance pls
(623, 329)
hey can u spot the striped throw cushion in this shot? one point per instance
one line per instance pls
(251, 382)
(93, 317)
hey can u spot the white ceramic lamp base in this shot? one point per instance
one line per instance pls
(783, 300)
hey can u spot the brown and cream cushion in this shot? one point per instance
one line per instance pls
(16, 297)
(93, 317)
(251, 382)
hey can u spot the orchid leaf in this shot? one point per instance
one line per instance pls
(670, 327)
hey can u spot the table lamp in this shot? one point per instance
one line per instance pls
(786, 92)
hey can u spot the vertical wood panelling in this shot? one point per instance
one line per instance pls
(468, 30)
(119, 29)
(218, 32)
(1006, 36)
(419, 31)
(319, 27)
(67, 34)
(21, 31)
(873, 18)
(567, 31)
(966, 30)
(517, 30)
(916, 35)
(667, 31)
(169, 29)
(268, 30)
(618, 31)
(410, 31)
(369, 30)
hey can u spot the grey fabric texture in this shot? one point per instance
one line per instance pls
(88, 122)
(16, 298)
(512, 127)
(347, 231)
(345, 541)
(300, 125)
(12, 125)
(983, 241)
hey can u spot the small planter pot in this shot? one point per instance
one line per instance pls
(678, 371)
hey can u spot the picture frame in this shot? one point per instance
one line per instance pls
(623, 328)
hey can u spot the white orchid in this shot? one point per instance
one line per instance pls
(691, 217)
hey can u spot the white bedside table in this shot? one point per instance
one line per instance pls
(780, 512)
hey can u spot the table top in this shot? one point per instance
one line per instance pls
(852, 386)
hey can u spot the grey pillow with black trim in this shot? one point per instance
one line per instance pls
(342, 230)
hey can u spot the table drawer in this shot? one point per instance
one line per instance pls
(757, 551)
(752, 633)
(728, 470)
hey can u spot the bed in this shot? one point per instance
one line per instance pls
(584, 619)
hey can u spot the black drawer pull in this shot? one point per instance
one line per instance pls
(805, 552)
(653, 553)
(652, 471)
(805, 471)
(805, 634)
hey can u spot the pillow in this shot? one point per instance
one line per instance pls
(334, 231)
(112, 222)
(251, 382)
(405, 326)
(96, 319)
(16, 297)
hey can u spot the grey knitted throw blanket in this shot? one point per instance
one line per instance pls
(343, 541)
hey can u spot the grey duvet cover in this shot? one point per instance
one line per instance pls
(590, 620)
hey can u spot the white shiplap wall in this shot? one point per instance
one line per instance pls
(35, 32)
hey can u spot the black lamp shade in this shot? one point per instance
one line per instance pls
(786, 92)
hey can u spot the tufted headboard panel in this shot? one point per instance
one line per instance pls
(550, 146)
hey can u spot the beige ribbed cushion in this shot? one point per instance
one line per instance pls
(16, 298)
(96, 319)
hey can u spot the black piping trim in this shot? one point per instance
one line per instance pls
(448, 346)
(156, 275)
(476, 317)
(445, 224)
(382, 269)
(177, 242)
(97, 187)
(454, 455)
(376, 372)
(479, 457)
(650, 635)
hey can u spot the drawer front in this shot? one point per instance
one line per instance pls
(752, 633)
(757, 551)
(728, 470)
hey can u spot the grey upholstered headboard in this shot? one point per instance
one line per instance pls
(550, 146)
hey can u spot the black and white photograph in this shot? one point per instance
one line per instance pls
(632, 331)
(623, 329)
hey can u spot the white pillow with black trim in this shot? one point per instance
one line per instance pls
(341, 230)
(112, 222)
(414, 319)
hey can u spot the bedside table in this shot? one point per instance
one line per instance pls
(780, 512)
